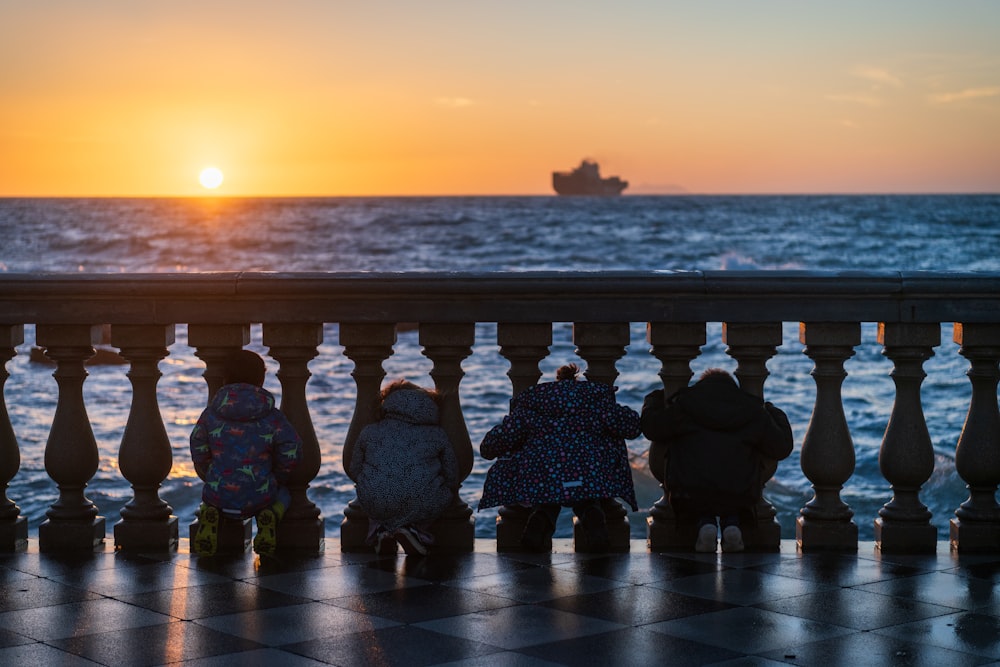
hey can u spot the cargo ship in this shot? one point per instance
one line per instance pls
(586, 180)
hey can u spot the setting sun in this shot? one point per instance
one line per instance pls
(210, 177)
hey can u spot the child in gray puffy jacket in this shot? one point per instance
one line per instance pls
(405, 468)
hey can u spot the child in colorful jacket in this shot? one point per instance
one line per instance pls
(561, 445)
(244, 449)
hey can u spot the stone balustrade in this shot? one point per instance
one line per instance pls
(68, 312)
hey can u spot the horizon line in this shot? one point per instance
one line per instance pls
(209, 197)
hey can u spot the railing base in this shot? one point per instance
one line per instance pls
(619, 534)
(667, 534)
(14, 534)
(510, 526)
(902, 538)
(302, 535)
(454, 535)
(354, 530)
(760, 536)
(64, 535)
(826, 535)
(974, 537)
(450, 536)
(138, 535)
(235, 535)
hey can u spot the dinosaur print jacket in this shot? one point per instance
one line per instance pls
(244, 448)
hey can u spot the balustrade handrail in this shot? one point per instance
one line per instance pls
(542, 296)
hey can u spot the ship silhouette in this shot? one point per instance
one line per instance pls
(586, 180)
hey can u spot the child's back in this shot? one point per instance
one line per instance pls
(247, 449)
(244, 449)
(404, 466)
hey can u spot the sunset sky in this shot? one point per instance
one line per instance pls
(323, 97)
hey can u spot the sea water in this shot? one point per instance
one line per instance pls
(939, 233)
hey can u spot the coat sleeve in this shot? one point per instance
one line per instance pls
(776, 440)
(201, 452)
(449, 464)
(358, 455)
(288, 451)
(504, 438)
(658, 420)
(623, 422)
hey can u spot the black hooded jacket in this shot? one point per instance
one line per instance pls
(717, 438)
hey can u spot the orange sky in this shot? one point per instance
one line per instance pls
(322, 97)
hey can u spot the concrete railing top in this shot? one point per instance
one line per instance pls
(542, 296)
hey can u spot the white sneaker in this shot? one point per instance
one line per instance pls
(410, 541)
(732, 539)
(707, 539)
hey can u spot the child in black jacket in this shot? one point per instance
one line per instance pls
(717, 439)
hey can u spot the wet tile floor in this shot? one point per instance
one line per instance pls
(485, 608)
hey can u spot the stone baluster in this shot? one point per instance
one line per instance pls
(906, 457)
(825, 523)
(976, 526)
(524, 346)
(367, 345)
(145, 457)
(601, 345)
(13, 526)
(213, 343)
(675, 345)
(71, 456)
(752, 345)
(447, 345)
(293, 346)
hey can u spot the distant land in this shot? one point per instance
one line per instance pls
(657, 189)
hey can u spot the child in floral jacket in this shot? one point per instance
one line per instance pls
(244, 449)
(561, 445)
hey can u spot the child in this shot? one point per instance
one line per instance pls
(718, 439)
(562, 444)
(405, 468)
(244, 449)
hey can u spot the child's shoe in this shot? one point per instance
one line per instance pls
(410, 541)
(382, 541)
(266, 541)
(732, 539)
(206, 537)
(707, 539)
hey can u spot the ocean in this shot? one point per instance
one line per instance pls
(107, 235)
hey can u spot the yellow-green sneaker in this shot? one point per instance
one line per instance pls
(266, 542)
(206, 537)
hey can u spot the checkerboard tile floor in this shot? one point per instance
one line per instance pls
(485, 608)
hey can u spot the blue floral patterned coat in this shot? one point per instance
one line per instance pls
(246, 449)
(562, 442)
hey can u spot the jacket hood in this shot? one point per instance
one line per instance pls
(412, 406)
(242, 402)
(718, 403)
(571, 396)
